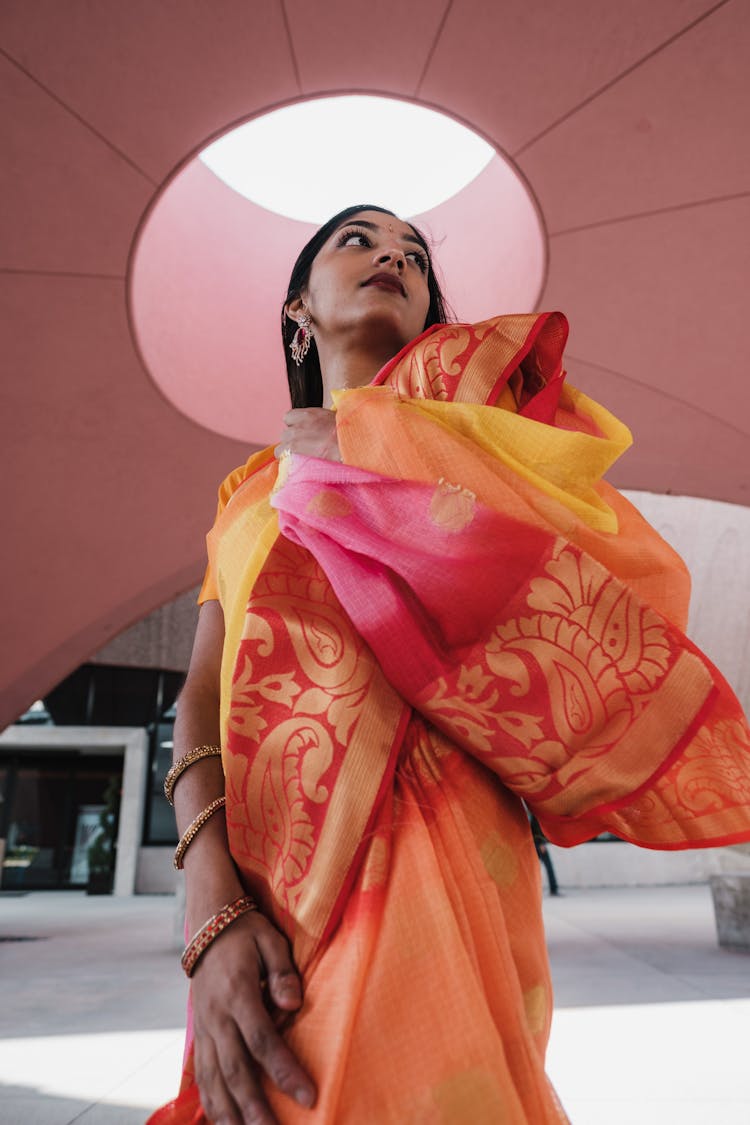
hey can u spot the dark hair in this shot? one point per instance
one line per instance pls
(305, 381)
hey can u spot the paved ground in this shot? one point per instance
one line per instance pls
(652, 1019)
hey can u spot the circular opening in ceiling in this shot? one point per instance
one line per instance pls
(355, 144)
(210, 270)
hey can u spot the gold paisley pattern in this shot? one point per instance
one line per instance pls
(302, 678)
(563, 688)
(709, 782)
(715, 769)
(421, 373)
(494, 368)
(276, 833)
(630, 634)
(435, 369)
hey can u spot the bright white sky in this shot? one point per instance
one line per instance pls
(312, 159)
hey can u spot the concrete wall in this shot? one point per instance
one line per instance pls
(602, 864)
(714, 539)
(611, 863)
(155, 872)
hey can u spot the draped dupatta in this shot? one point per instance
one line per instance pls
(466, 563)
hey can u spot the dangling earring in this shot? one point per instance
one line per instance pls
(300, 344)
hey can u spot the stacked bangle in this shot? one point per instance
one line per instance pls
(187, 760)
(211, 930)
(194, 828)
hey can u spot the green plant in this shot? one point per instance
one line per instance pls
(102, 848)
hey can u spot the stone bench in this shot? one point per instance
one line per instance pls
(731, 895)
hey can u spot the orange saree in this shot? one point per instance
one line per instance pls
(460, 615)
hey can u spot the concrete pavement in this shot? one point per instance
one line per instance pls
(651, 1025)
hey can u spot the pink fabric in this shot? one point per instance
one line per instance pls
(416, 591)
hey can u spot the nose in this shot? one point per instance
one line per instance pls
(394, 257)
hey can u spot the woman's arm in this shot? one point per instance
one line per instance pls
(234, 1030)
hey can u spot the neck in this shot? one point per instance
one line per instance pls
(346, 369)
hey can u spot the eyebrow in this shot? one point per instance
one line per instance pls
(374, 226)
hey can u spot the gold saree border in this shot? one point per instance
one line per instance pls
(665, 721)
(499, 349)
(371, 751)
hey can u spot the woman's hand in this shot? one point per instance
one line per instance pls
(312, 431)
(235, 1031)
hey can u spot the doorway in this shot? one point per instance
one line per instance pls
(50, 805)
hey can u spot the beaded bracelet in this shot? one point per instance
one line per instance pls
(182, 764)
(194, 828)
(211, 930)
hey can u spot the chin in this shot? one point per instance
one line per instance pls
(389, 325)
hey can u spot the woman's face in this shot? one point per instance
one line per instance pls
(368, 283)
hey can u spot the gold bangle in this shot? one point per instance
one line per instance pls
(195, 949)
(194, 828)
(182, 764)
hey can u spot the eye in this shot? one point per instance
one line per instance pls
(353, 238)
(420, 259)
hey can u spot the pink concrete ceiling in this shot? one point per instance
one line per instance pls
(210, 271)
(627, 120)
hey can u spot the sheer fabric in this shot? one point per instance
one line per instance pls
(461, 615)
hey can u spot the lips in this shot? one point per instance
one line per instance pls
(387, 281)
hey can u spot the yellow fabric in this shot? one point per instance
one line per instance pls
(563, 464)
(384, 433)
(209, 590)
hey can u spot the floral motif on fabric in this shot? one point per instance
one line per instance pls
(559, 680)
(301, 678)
(434, 369)
(710, 780)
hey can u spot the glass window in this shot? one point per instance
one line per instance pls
(52, 812)
(160, 823)
(35, 827)
(96, 788)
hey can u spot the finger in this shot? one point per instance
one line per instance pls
(216, 1100)
(304, 414)
(271, 1052)
(297, 415)
(284, 982)
(240, 1077)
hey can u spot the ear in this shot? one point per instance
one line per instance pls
(295, 308)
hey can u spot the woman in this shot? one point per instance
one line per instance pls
(429, 608)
